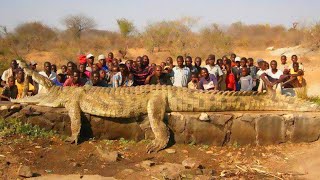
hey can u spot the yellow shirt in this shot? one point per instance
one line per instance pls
(20, 87)
(300, 78)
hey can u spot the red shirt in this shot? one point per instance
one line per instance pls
(69, 82)
(230, 82)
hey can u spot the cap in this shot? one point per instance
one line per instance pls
(101, 56)
(82, 59)
(166, 67)
(237, 59)
(259, 60)
(211, 56)
(89, 56)
(33, 63)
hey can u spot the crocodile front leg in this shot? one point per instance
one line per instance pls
(156, 109)
(74, 113)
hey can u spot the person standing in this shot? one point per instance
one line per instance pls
(181, 74)
(9, 72)
(48, 74)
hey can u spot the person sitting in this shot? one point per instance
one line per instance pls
(157, 77)
(284, 65)
(194, 83)
(10, 91)
(294, 59)
(295, 77)
(245, 81)
(272, 77)
(207, 81)
(96, 81)
(74, 80)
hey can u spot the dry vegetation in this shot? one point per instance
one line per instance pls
(173, 37)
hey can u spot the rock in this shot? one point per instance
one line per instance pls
(270, 129)
(203, 177)
(25, 171)
(191, 163)
(242, 133)
(170, 151)
(204, 117)
(306, 129)
(147, 164)
(74, 164)
(209, 172)
(112, 156)
(167, 170)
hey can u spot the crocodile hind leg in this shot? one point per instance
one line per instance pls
(156, 109)
(74, 113)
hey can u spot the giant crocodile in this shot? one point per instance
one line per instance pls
(153, 100)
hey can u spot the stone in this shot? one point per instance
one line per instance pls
(147, 164)
(25, 171)
(112, 156)
(306, 129)
(170, 151)
(204, 117)
(191, 163)
(220, 119)
(242, 133)
(167, 170)
(270, 129)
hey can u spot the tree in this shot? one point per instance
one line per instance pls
(76, 24)
(125, 26)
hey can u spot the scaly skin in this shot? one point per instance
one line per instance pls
(155, 101)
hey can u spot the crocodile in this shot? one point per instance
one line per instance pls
(155, 101)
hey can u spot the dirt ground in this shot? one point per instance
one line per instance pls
(52, 157)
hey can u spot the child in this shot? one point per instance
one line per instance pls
(9, 91)
(230, 79)
(194, 83)
(207, 81)
(245, 80)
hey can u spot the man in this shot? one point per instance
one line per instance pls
(48, 74)
(284, 65)
(193, 69)
(21, 84)
(33, 65)
(9, 72)
(236, 70)
(95, 80)
(295, 78)
(272, 77)
(197, 63)
(142, 71)
(90, 62)
(102, 62)
(294, 59)
(207, 81)
(214, 68)
(169, 62)
(157, 77)
(180, 74)
(233, 60)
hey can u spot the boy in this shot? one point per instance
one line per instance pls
(194, 83)
(9, 91)
(207, 81)
(245, 80)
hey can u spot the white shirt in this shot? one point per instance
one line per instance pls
(52, 77)
(259, 73)
(6, 74)
(215, 70)
(272, 75)
(181, 76)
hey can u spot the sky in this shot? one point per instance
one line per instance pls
(144, 12)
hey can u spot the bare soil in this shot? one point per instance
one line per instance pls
(53, 156)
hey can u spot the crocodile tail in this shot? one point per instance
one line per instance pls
(45, 82)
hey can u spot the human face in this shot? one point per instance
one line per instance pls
(158, 71)
(180, 62)
(76, 76)
(211, 62)
(110, 55)
(64, 69)
(115, 69)
(14, 64)
(251, 62)
(95, 68)
(102, 61)
(95, 78)
(188, 62)
(197, 62)
(220, 62)
(70, 66)
(33, 67)
(102, 74)
(243, 63)
(145, 61)
(122, 69)
(115, 62)
(244, 72)
(238, 63)
(163, 64)
(273, 65)
(232, 57)
(11, 82)
(90, 60)
(20, 76)
(54, 68)
(169, 61)
(82, 68)
(47, 67)
(194, 78)
(204, 73)
(283, 59)
(294, 59)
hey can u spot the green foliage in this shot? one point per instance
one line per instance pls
(126, 27)
(13, 126)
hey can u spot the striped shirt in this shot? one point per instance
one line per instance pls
(140, 75)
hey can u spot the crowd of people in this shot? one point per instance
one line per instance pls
(230, 73)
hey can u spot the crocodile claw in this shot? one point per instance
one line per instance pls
(72, 140)
(156, 146)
